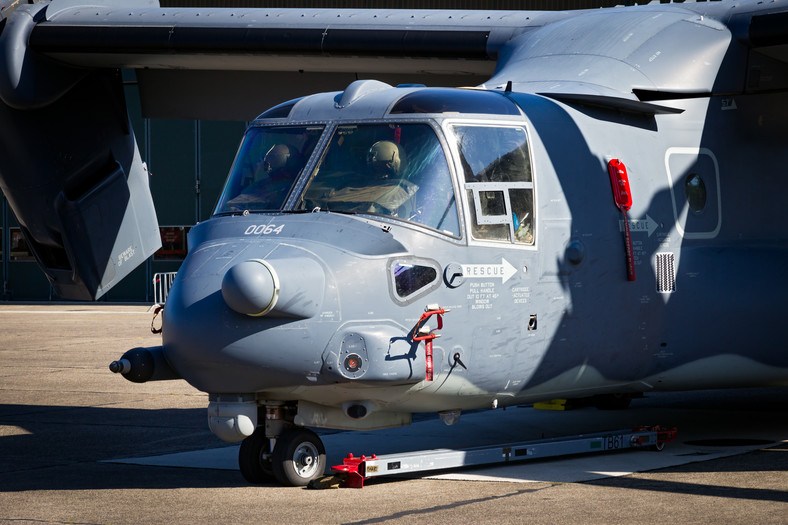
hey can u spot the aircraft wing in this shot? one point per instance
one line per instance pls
(69, 164)
(221, 63)
(234, 63)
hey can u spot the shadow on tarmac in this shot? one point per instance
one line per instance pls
(53, 448)
(774, 459)
(60, 448)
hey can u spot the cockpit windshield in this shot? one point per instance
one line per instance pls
(269, 161)
(396, 170)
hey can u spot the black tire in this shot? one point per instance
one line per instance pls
(255, 458)
(299, 457)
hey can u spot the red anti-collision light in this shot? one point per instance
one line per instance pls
(620, 183)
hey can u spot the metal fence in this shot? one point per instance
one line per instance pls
(162, 282)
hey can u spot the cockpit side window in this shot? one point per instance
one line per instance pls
(411, 278)
(268, 162)
(395, 170)
(498, 182)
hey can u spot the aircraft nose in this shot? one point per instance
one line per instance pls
(291, 287)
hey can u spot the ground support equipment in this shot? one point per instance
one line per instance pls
(358, 469)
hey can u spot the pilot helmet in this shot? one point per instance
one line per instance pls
(384, 157)
(276, 158)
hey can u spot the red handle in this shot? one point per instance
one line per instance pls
(428, 337)
(619, 181)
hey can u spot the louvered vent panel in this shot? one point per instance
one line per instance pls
(666, 274)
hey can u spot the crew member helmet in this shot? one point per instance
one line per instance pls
(276, 158)
(384, 157)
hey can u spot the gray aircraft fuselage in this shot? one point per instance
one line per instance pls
(602, 215)
(555, 318)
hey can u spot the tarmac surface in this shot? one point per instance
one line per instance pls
(66, 421)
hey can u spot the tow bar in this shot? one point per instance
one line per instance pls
(361, 468)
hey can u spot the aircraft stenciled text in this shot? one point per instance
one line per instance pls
(647, 225)
(613, 442)
(483, 270)
(264, 229)
(482, 294)
(126, 255)
(503, 271)
(521, 294)
(639, 251)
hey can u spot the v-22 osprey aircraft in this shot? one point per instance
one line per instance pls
(601, 215)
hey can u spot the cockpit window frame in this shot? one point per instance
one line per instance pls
(413, 262)
(442, 127)
(267, 124)
(328, 134)
(517, 122)
(466, 101)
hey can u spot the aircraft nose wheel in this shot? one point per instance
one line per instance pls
(299, 457)
(254, 458)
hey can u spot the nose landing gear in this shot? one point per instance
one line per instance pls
(299, 457)
(254, 458)
(282, 452)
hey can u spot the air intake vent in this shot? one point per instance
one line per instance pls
(666, 274)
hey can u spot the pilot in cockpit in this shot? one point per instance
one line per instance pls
(387, 187)
(384, 159)
(273, 177)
